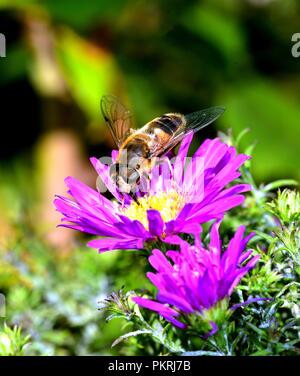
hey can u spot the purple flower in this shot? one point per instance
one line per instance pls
(194, 279)
(180, 197)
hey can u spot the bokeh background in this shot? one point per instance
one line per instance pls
(157, 56)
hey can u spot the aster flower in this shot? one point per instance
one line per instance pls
(180, 197)
(195, 280)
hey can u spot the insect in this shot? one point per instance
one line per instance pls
(139, 147)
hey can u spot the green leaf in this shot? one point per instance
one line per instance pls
(89, 71)
(240, 136)
(280, 183)
(200, 353)
(260, 332)
(267, 237)
(131, 334)
(264, 352)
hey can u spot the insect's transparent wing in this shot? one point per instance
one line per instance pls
(117, 117)
(194, 122)
(200, 119)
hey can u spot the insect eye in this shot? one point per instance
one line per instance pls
(137, 166)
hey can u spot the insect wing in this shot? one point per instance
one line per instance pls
(200, 119)
(117, 117)
(194, 122)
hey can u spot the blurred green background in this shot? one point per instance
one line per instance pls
(158, 56)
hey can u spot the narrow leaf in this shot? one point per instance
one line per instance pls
(131, 334)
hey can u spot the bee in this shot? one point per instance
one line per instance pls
(139, 147)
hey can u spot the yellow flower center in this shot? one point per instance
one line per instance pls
(169, 204)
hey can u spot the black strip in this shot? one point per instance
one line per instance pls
(168, 124)
(151, 365)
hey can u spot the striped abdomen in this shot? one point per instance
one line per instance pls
(151, 139)
(168, 123)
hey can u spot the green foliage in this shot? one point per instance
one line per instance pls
(89, 72)
(12, 341)
(286, 207)
(59, 310)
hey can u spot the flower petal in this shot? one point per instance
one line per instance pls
(156, 223)
(108, 244)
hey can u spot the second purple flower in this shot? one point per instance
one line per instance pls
(195, 280)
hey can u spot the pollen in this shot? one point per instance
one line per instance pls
(169, 205)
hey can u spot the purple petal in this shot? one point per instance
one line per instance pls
(156, 223)
(249, 301)
(214, 329)
(181, 158)
(166, 312)
(103, 172)
(175, 300)
(108, 244)
(159, 261)
(215, 241)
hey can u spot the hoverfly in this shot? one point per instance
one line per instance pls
(138, 148)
